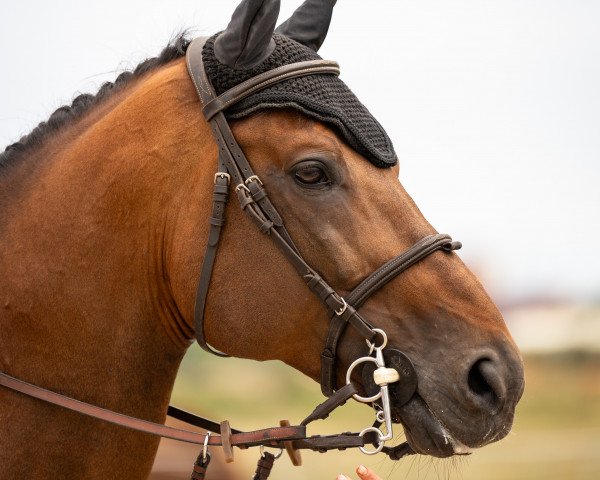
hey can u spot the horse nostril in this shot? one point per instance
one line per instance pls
(486, 383)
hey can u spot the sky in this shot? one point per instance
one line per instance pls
(493, 108)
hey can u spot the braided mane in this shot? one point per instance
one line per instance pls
(85, 102)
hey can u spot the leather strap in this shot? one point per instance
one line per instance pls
(399, 264)
(242, 439)
(285, 436)
(193, 419)
(264, 80)
(335, 442)
(201, 465)
(399, 451)
(217, 220)
(264, 466)
(339, 398)
(366, 288)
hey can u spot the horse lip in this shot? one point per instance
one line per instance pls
(425, 433)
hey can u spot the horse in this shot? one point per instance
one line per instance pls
(103, 227)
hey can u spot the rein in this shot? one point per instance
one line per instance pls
(234, 169)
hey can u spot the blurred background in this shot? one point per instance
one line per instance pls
(494, 110)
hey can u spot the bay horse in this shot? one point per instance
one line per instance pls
(103, 227)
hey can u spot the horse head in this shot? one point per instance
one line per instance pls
(116, 213)
(331, 173)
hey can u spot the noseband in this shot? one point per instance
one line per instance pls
(234, 169)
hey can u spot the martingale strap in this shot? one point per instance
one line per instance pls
(256, 204)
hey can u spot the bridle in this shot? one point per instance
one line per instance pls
(234, 168)
(400, 381)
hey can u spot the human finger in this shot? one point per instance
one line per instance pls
(366, 473)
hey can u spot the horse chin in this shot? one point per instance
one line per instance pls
(425, 433)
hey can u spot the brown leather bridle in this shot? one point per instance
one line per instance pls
(234, 169)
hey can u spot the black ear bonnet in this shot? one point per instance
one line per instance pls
(323, 97)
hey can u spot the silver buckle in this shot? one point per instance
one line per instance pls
(241, 186)
(223, 175)
(253, 178)
(343, 308)
(277, 455)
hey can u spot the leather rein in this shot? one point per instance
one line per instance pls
(234, 169)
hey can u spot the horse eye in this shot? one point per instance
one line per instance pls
(312, 176)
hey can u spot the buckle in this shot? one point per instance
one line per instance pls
(253, 178)
(223, 175)
(343, 308)
(241, 186)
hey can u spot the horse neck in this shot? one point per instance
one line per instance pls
(88, 234)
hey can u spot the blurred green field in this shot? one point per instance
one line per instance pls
(556, 433)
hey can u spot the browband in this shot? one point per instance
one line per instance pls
(266, 79)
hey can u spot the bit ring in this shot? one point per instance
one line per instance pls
(379, 444)
(383, 343)
(356, 396)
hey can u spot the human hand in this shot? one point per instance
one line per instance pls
(363, 472)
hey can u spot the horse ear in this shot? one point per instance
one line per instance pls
(309, 24)
(248, 39)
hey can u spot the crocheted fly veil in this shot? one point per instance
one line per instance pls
(248, 47)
